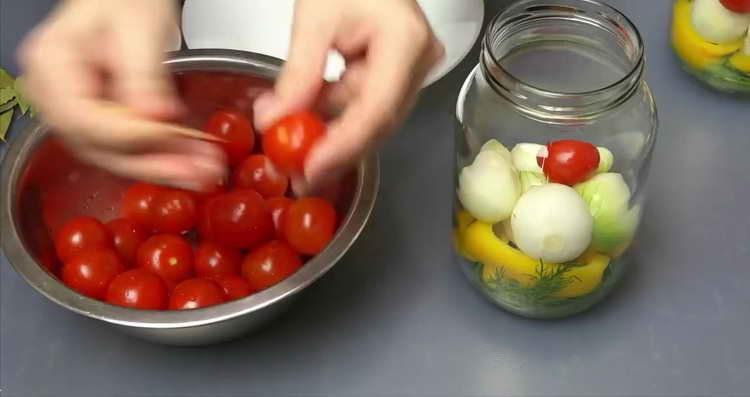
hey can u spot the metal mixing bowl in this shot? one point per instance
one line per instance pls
(35, 161)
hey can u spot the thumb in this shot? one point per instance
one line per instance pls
(141, 81)
(301, 78)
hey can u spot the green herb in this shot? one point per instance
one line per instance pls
(5, 119)
(548, 281)
(6, 80)
(23, 104)
(7, 94)
(7, 106)
(11, 96)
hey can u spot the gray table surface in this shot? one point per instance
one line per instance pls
(396, 317)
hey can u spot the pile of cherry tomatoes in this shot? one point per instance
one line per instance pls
(174, 249)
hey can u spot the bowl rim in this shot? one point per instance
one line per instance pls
(18, 154)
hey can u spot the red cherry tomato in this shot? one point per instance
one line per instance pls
(278, 207)
(79, 235)
(48, 260)
(237, 219)
(91, 271)
(174, 211)
(257, 172)
(288, 141)
(741, 6)
(212, 259)
(201, 197)
(569, 161)
(168, 256)
(269, 264)
(138, 289)
(127, 237)
(234, 286)
(196, 293)
(236, 130)
(309, 225)
(138, 203)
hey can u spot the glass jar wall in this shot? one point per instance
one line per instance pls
(711, 39)
(554, 133)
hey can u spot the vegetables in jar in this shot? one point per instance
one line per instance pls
(543, 229)
(712, 39)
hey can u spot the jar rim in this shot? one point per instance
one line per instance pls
(574, 11)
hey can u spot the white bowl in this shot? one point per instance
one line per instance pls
(264, 27)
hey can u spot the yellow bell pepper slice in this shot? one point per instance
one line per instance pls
(741, 62)
(479, 243)
(463, 220)
(690, 46)
(584, 279)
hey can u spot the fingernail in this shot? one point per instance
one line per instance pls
(300, 187)
(317, 167)
(266, 109)
(325, 178)
(187, 184)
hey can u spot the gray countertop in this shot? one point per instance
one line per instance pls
(396, 317)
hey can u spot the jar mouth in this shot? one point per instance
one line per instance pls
(568, 24)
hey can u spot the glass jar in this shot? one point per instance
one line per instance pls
(554, 134)
(712, 42)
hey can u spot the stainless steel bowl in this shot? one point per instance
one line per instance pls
(21, 223)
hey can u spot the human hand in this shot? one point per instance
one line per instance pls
(389, 49)
(87, 52)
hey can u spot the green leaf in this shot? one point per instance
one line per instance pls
(8, 105)
(6, 80)
(6, 94)
(22, 103)
(5, 120)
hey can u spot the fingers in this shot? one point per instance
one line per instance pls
(141, 81)
(57, 91)
(335, 97)
(189, 165)
(390, 90)
(70, 63)
(301, 78)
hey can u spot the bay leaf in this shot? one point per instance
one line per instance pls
(22, 103)
(6, 80)
(6, 94)
(5, 120)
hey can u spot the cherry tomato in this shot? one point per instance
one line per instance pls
(91, 271)
(201, 197)
(174, 211)
(309, 225)
(168, 256)
(288, 141)
(269, 264)
(741, 6)
(569, 161)
(127, 237)
(278, 207)
(138, 289)
(212, 259)
(236, 219)
(257, 172)
(196, 293)
(79, 235)
(236, 130)
(234, 286)
(48, 260)
(138, 203)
